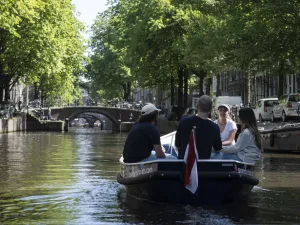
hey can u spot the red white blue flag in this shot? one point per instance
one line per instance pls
(190, 159)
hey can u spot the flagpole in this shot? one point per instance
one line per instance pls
(194, 134)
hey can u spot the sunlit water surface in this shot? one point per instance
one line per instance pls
(70, 178)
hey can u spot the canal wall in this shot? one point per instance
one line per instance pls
(45, 126)
(34, 124)
(12, 125)
(29, 123)
(164, 126)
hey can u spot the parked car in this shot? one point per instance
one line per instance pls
(264, 108)
(287, 107)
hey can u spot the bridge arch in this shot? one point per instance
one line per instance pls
(111, 118)
(113, 114)
(93, 117)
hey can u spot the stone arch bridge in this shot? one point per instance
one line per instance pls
(115, 115)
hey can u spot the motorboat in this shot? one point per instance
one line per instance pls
(219, 181)
(284, 137)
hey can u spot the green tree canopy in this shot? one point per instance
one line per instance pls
(43, 46)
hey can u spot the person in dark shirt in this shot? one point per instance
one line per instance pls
(143, 138)
(207, 132)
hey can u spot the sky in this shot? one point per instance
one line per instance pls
(89, 9)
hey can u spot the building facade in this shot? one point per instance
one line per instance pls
(262, 85)
(156, 96)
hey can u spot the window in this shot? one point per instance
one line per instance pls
(283, 99)
(258, 105)
(294, 98)
(270, 103)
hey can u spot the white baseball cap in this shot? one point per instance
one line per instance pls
(224, 106)
(149, 108)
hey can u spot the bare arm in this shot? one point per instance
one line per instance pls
(177, 138)
(217, 144)
(230, 138)
(159, 151)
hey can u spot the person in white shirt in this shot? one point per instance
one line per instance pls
(248, 146)
(227, 126)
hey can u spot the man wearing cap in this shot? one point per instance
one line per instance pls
(144, 137)
(207, 132)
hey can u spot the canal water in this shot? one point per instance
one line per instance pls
(57, 178)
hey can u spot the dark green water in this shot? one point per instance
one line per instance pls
(56, 178)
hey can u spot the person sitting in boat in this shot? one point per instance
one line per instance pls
(207, 132)
(248, 145)
(145, 137)
(227, 126)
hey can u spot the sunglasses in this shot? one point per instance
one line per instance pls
(223, 110)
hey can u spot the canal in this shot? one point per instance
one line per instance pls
(56, 178)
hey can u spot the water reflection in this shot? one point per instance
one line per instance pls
(58, 178)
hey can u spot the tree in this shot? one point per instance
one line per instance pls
(107, 69)
(46, 48)
(260, 35)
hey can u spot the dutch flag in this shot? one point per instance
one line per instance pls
(190, 159)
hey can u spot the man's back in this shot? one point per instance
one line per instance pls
(207, 136)
(140, 141)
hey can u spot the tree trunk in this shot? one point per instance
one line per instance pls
(42, 98)
(6, 88)
(180, 87)
(128, 91)
(172, 90)
(248, 87)
(36, 91)
(201, 76)
(208, 88)
(280, 85)
(1, 93)
(124, 92)
(185, 88)
(1, 87)
(4, 34)
(219, 92)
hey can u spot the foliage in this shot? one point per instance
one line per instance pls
(44, 45)
(260, 33)
(107, 68)
(146, 42)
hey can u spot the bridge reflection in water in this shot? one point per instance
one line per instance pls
(91, 119)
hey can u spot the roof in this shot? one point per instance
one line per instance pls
(263, 99)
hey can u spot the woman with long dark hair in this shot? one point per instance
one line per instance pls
(248, 145)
